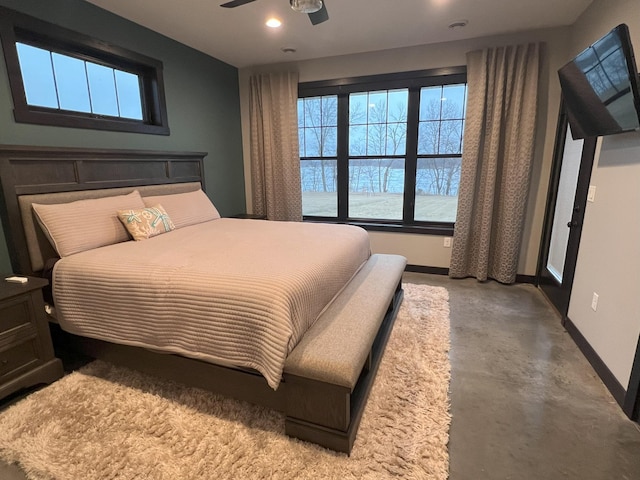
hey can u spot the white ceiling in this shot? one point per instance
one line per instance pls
(238, 36)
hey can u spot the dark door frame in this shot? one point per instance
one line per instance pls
(631, 404)
(630, 401)
(559, 295)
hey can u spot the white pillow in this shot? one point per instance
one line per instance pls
(185, 208)
(85, 224)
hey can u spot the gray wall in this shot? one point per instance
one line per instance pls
(609, 256)
(202, 102)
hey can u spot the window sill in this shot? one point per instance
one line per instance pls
(41, 117)
(444, 229)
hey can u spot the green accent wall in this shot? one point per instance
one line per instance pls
(203, 104)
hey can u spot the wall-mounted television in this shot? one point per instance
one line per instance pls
(600, 87)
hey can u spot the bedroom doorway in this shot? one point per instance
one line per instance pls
(566, 203)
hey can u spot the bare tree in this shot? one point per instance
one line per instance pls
(439, 176)
(320, 118)
(377, 131)
(386, 135)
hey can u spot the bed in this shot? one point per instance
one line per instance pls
(334, 309)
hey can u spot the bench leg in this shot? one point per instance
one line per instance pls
(318, 412)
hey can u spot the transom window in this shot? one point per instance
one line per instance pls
(63, 78)
(62, 82)
(383, 156)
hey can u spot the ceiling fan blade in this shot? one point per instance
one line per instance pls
(320, 16)
(236, 3)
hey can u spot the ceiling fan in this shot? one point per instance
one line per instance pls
(316, 9)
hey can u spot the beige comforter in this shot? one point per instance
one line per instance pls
(233, 292)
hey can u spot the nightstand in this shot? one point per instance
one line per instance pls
(26, 351)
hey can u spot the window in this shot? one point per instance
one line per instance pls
(383, 151)
(62, 82)
(377, 145)
(440, 127)
(317, 130)
(59, 77)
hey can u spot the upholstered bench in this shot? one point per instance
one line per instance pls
(334, 365)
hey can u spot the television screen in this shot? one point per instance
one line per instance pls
(600, 87)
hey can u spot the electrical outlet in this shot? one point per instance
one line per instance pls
(594, 301)
(591, 195)
(447, 242)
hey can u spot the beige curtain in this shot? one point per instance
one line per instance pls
(275, 160)
(496, 161)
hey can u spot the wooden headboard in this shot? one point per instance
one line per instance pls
(26, 170)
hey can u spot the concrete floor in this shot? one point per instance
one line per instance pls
(525, 403)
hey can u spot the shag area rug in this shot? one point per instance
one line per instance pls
(104, 422)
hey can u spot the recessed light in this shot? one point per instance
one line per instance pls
(459, 24)
(273, 22)
(288, 49)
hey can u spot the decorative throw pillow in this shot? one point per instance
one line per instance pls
(185, 208)
(85, 224)
(146, 222)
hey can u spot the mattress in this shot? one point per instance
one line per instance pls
(233, 292)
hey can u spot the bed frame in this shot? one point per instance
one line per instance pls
(327, 377)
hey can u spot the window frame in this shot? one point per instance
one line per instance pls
(413, 81)
(17, 27)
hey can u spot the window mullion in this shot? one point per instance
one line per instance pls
(411, 159)
(55, 80)
(115, 87)
(86, 76)
(343, 156)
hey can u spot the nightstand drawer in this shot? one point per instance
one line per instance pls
(26, 352)
(14, 313)
(17, 359)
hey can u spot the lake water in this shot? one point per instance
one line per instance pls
(369, 179)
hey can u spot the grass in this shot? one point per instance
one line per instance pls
(433, 208)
